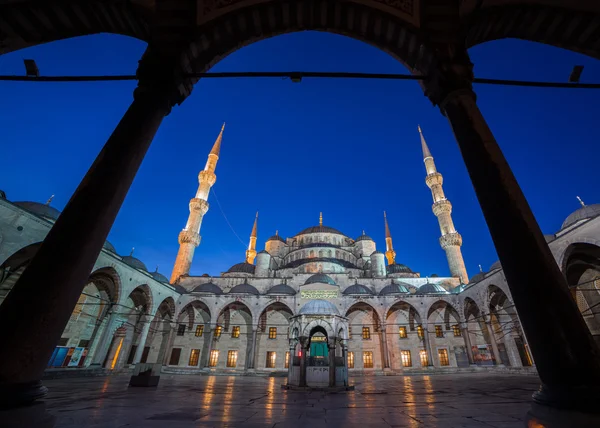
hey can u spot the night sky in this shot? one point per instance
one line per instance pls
(348, 148)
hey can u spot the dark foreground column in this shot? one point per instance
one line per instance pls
(51, 285)
(567, 359)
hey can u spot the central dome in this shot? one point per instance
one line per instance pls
(319, 307)
(320, 229)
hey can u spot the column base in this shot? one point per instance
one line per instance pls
(583, 399)
(21, 394)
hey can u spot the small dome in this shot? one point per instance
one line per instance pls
(430, 288)
(134, 263)
(108, 246)
(319, 307)
(496, 265)
(263, 252)
(244, 288)
(398, 268)
(2, 194)
(588, 211)
(208, 287)
(357, 289)
(241, 268)
(476, 278)
(320, 229)
(320, 277)
(40, 210)
(394, 288)
(364, 237)
(282, 289)
(160, 277)
(376, 252)
(276, 238)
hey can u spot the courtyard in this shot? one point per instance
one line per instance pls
(458, 400)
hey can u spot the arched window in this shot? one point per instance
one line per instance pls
(312, 253)
(320, 253)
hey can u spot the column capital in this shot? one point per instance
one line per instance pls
(448, 77)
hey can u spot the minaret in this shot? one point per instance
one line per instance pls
(251, 251)
(450, 240)
(390, 254)
(189, 237)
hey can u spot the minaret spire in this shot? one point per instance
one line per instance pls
(450, 240)
(251, 251)
(189, 237)
(390, 254)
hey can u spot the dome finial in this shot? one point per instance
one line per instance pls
(578, 198)
(131, 254)
(277, 233)
(480, 269)
(156, 271)
(52, 197)
(364, 232)
(321, 219)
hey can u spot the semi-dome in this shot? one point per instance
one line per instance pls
(477, 277)
(587, 211)
(398, 268)
(319, 307)
(134, 263)
(320, 278)
(357, 289)
(244, 288)
(394, 288)
(430, 288)
(41, 210)
(208, 287)
(282, 289)
(110, 247)
(159, 277)
(320, 229)
(241, 268)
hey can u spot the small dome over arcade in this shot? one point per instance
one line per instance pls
(242, 268)
(109, 247)
(319, 307)
(40, 210)
(358, 289)
(583, 213)
(495, 265)
(398, 268)
(320, 278)
(244, 288)
(208, 287)
(394, 288)
(430, 288)
(282, 289)
(477, 277)
(134, 262)
(159, 276)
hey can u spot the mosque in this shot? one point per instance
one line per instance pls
(317, 305)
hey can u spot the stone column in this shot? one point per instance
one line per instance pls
(96, 334)
(567, 359)
(291, 361)
(51, 285)
(165, 346)
(331, 345)
(427, 344)
(465, 334)
(103, 342)
(211, 339)
(303, 349)
(345, 357)
(386, 356)
(488, 323)
(251, 363)
(142, 342)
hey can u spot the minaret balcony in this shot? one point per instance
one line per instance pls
(198, 205)
(441, 207)
(189, 237)
(207, 177)
(451, 240)
(434, 179)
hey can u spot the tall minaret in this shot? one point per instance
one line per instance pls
(390, 254)
(442, 208)
(189, 237)
(251, 251)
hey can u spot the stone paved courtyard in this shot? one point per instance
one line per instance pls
(462, 400)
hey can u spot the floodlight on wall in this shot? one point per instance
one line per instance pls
(575, 74)
(31, 69)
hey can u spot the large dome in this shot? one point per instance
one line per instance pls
(319, 307)
(587, 211)
(320, 229)
(41, 210)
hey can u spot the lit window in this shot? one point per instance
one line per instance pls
(366, 335)
(181, 330)
(272, 332)
(214, 357)
(199, 330)
(420, 332)
(218, 331)
(235, 331)
(456, 330)
(350, 360)
(443, 356)
(232, 358)
(423, 357)
(287, 360)
(194, 355)
(402, 332)
(368, 359)
(271, 356)
(406, 360)
(438, 331)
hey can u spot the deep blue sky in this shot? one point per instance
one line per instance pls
(348, 148)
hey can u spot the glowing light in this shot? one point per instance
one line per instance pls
(116, 357)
